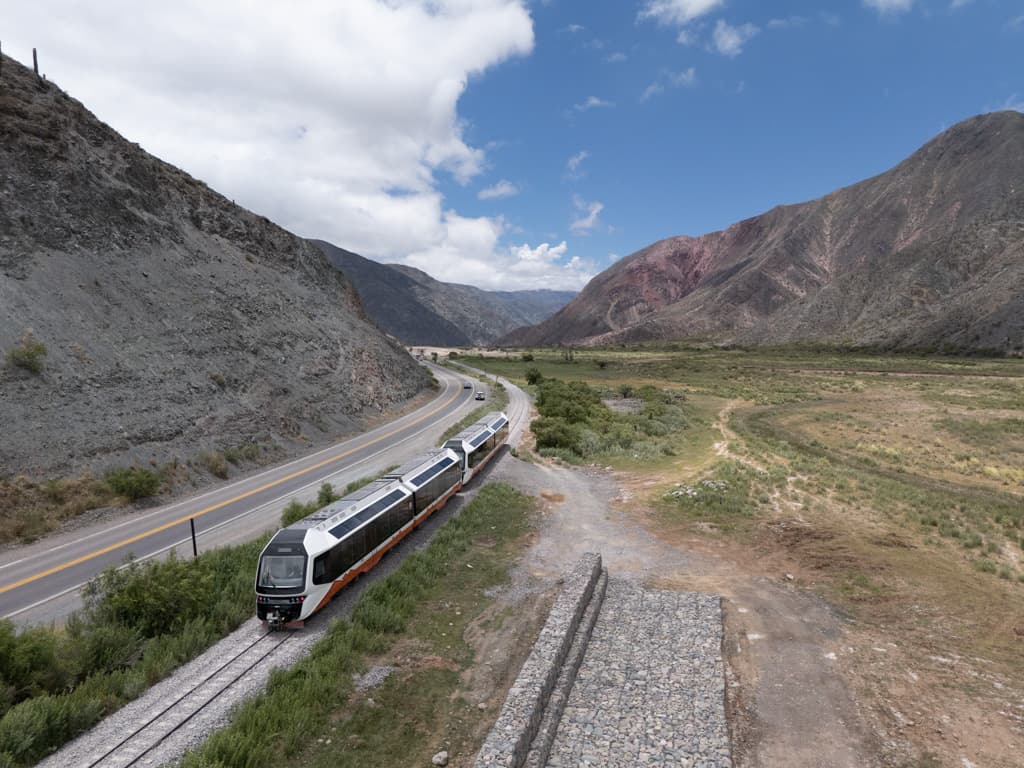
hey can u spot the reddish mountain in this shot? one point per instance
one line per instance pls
(927, 255)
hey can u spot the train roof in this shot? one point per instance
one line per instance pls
(480, 430)
(351, 503)
(424, 468)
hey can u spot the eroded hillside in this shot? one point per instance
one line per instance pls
(174, 320)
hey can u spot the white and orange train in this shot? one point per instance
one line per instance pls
(304, 565)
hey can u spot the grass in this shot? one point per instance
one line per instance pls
(312, 703)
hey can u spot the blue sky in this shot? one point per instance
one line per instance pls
(812, 101)
(514, 144)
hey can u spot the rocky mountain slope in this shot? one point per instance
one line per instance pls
(929, 255)
(174, 320)
(414, 307)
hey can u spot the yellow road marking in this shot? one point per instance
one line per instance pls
(165, 526)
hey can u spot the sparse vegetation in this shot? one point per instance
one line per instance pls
(133, 483)
(28, 354)
(215, 463)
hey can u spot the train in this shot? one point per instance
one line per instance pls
(306, 564)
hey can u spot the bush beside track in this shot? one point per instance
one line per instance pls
(138, 625)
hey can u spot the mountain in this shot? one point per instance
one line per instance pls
(928, 255)
(414, 307)
(174, 320)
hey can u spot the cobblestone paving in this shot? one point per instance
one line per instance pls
(651, 687)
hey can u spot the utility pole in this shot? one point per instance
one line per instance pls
(35, 62)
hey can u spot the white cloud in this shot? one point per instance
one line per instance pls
(678, 12)
(616, 58)
(586, 224)
(960, 3)
(1016, 23)
(889, 6)
(333, 119)
(543, 253)
(729, 40)
(788, 22)
(471, 254)
(591, 103)
(573, 163)
(685, 79)
(574, 28)
(503, 188)
(652, 90)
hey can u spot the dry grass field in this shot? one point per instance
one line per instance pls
(890, 486)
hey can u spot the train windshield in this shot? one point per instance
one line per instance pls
(282, 571)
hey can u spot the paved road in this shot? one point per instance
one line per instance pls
(40, 583)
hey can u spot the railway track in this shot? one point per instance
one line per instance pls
(163, 717)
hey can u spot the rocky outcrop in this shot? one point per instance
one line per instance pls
(174, 320)
(929, 255)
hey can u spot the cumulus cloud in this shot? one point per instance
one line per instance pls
(335, 120)
(470, 253)
(588, 221)
(503, 188)
(729, 40)
(678, 12)
(592, 102)
(889, 6)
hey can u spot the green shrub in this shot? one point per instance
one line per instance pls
(528, 358)
(247, 452)
(133, 482)
(533, 376)
(296, 510)
(154, 597)
(326, 495)
(28, 354)
(556, 432)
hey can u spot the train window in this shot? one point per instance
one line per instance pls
(320, 569)
(282, 571)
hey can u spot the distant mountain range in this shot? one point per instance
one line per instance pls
(419, 310)
(928, 256)
(174, 321)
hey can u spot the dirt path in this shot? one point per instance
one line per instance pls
(788, 703)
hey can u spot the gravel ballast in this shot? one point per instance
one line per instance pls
(651, 689)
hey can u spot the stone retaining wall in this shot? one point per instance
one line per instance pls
(508, 743)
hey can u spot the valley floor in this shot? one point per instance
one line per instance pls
(863, 520)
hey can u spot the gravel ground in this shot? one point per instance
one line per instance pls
(651, 687)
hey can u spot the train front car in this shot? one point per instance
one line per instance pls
(477, 444)
(282, 583)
